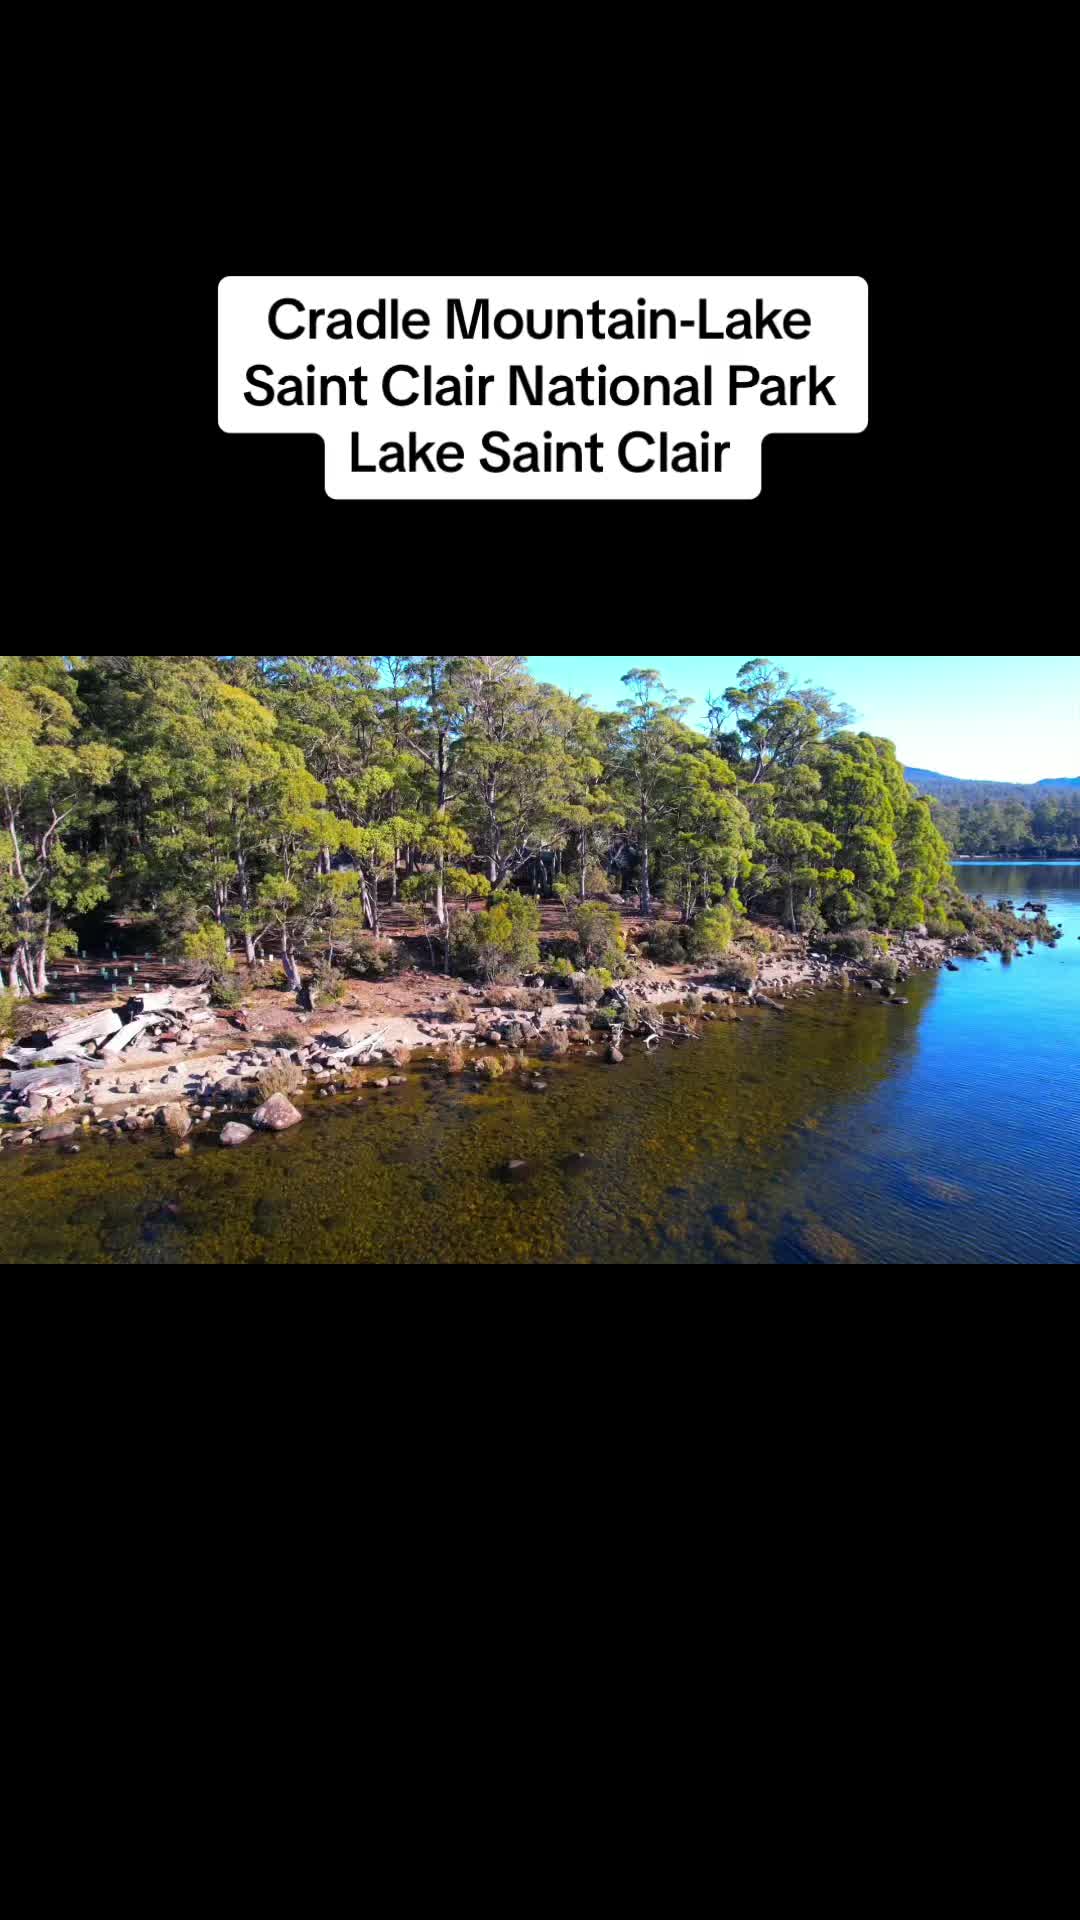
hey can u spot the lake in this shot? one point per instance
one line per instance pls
(840, 1129)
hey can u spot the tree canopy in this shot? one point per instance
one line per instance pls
(292, 798)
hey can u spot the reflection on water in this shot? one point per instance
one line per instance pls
(839, 1129)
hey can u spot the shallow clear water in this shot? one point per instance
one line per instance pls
(841, 1128)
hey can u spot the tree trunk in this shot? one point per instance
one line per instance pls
(41, 984)
(646, 897)
(249, 949)
(584, 861)
(292, 971)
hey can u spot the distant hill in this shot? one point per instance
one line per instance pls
(948, 786)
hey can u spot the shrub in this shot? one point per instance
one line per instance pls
(500, 944)
(710, 934)
(600, 936)
(372, 957)
(554, 1045)
(758, 939)
(559, 971)
(856, 944)
(969, 943)
(8, 1004)
(457, 1009)
(667, 945)
(489, 1068)
(589, 987)
(283, 1077)
(401, 1056)
(264, 975)
(694, 1004)
(886, 969)
(597, 878)
(738, 970)
(207, 952)
(224, 994)
(454, 1060)
(282, 1038)
(327, 985)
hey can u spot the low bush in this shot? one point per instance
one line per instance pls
(500, 944)
(489, 1068)
(327, 985)
(600, 936)
(283, 1077)
(282, 1038)
(694, 1004)
(856, 944)
(886, 969)
(969, 943)
(667, 944)
(710, 934)
(589, 987)
(224, 994)
(372, 957)
(559, 972)
(454, 1060)
(554, 1045)
(738, 970)
(457, 1009)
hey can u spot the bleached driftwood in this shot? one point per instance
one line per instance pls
(67, 1075)
(97, 1027)
(127, 1034)
(360, 1049)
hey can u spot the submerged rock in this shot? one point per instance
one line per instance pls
(235, 1135)
(826, 1247)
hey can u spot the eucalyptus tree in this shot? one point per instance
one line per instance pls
(650, 740)
(51, 776)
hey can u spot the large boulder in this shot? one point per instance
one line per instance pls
(175, 1120)
(277, 1113)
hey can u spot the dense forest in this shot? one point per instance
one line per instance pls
(1001, 817)
(281, 804)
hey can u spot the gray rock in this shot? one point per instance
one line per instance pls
(234, 1135)
(60, 1132)
(277, 1113)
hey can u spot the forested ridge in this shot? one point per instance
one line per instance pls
(283, 803)
(992, 816)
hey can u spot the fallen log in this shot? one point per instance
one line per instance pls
(66, 1074)
(127, 1034)
(97, 1027)
(362, 1047)
(145, 1003)
(26, 1056)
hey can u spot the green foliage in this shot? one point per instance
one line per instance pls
(886, 968)
(600, 936)
(457, 1009)
(206, 952)
(667, 944)
(282, 1038)
(738, 970)
(710, 934)
(223, 993)
(327, 985)
(373, 958)
(559, 971)
(500, 944)
(8, 1005)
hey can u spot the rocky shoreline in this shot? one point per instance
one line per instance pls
(164, 1059)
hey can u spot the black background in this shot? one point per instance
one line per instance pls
(827, 543)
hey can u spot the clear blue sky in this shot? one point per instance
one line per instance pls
(995, 717)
